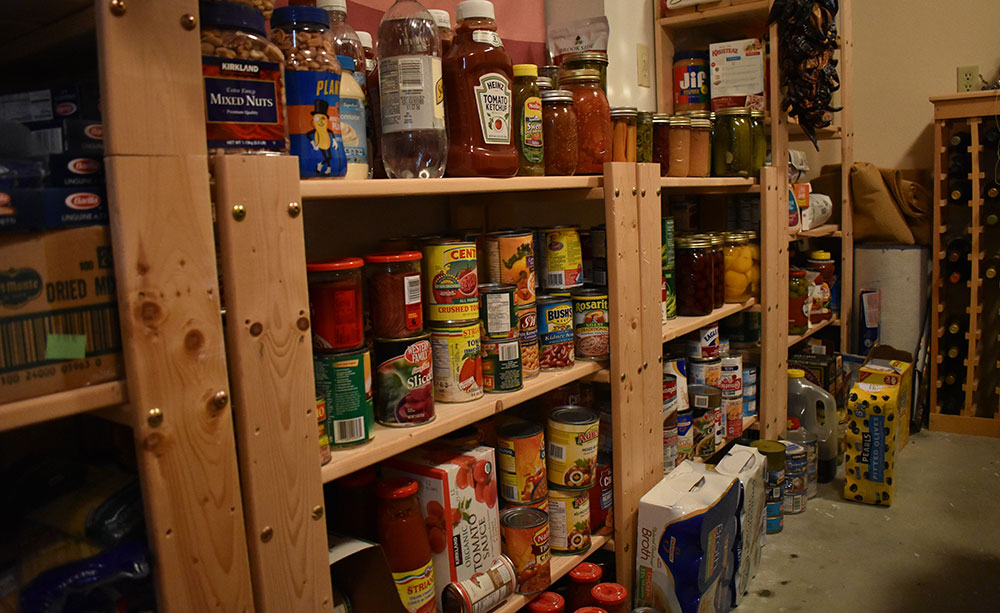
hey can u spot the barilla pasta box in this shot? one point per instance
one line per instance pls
(52, 207)
(890, 367)
(686, 535)
(458, 499)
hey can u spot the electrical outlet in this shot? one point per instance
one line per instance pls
(642, 64)
(968, 78)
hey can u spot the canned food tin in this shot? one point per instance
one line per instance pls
(501, 364)
(704, 343)
(677, 367)
(724, 349)
(458, 363)
(571, 454)
(344, 382)
(591, 323)
(324, 438)
(667, 242)
(685, 434)
(705, 401)
(669, 393)
(705, 371)
(451, 284)
(483, 591)
(569, 521)
(525, 535)
(404, 381)
(541, 505)
(555, 332)
(731, 377)
(749, 390)
(497, 310)
(528, 337)
(669, 290)
(511, 257)
(562, 257)
(521, 460)
(774, 453)
(602, 497)
(669, 438)
(732, 416)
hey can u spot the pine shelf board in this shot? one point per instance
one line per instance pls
(332, 189)
(61, 404)
(682, 325)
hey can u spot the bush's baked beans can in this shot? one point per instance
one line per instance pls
(602, 497)
(404, 381)
(704, 371)
(706, 403)
(591, 323)
(571, 453)
(482, 592)
(521, 462)
(324, 437)
(562, 257)
(511, 258)
(524, 533)
(528, 336)
(498, 311)
(685, 434)
(451, 282)
(669, 295)
(704, 343)
(569, 521)
(344, 383)
(555, 332)
(458, 362)
(501, 364)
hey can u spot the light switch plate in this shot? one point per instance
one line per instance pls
(642, 64)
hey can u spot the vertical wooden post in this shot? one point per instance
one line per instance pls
(972, 359)
(844, 24)
(772, 384)
(164, 254)
(259, 216)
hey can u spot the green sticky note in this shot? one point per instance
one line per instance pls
(65, 346)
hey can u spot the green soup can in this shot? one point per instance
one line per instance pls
(344, 383)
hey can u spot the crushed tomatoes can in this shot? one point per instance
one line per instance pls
(501, 364)
(524, 532)
(344, 384)
(592, 332)
(451, 282)
(458, 362)
(555, 332)
(511, 258)
(571, 454)
(483, 591)
(498, 310)
(569, 521)
(528, 337)
(562, 257)
(521, 462)
(404, 381)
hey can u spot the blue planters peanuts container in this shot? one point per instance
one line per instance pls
(312, 84)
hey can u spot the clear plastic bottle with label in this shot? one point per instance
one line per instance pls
(353, 121)
(345, 39)
(376, 169)
(414, 142)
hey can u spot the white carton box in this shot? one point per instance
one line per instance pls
(736, 74)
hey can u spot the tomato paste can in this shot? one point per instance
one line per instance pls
(705, 371)
(591, 323)
(685, 434)
(704, 343)
(569, 521)
(706, 402)
(404, 381)
(511, 258)
(521, 462)
(501, 364)
(483, 591)
(324, 438)
(524, 533)
(335, 304)
(528, 336)
(669, 295)
(555, 332)
(458, 362)
(344, 383)
(562, 257)
(498, 311)
(451, 284)
(571, 454)
(602, 497)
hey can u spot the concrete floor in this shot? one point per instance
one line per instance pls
(937, 548)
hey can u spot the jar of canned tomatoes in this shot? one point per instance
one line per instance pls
(623, 134)
(695, 276)
(593, 120)
(559, 132)
(335, 302)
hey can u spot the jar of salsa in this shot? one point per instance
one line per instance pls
(477, 84)
(644, 137)
(680, 146)
(559, 128)
(527, 120)
(395, 303)
(661, 142)
(403, 536)
(623, 134)
(695, 276)
(582, 580)
(758, 139)
(593, 60)
(798, 302)
(701, 148)
(732, 143)
(611, 597)
(335, 302)
(548, 602)
(593, 120)
(442, 21)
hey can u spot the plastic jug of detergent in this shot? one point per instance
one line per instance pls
(806, 402)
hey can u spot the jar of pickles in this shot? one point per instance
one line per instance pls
(701, 148)
(680, 146)
(594, 60)
(559, 132)
(758, 138)
(798, 302)
(738, 264)
(754, 247)
(593, 120)
(732, 143)
(644, 137)
(623, 134)
(661, 142)
(718, 268)
(695, 277)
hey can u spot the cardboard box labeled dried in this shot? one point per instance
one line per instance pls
(58, 312)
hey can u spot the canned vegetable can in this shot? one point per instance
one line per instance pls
(524, 532)
(451, 282)
(498, 310)
(555, 332)
(562, 256)
(511, 257)
(521, 462)
(458, 362)
(404, 381)
(344, 383)
(591, 323)
(706, 401)
(528, 336)
(569, 521)
(483, 591)
(501, 364)
(571, 454)
(602, 497)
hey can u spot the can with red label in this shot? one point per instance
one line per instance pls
(335, 302)
(404, 381)
(602, 498)
(704, 343)
(458, 361)
(483, 591)
(451, 282)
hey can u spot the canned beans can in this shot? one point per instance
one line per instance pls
(562, 257)
(571, 454)
(511, 258)
(591, 327)
(404, 381)
(451, 282)
(685, 435)
(524, 532)
(704, 343)
(482, 592)
(602, 497)
(501, 364)
(705, 371)
(555, 332)
(706, 402)
(528, 337)
(458, 362)
(344, 383)
(498, 311)
(569, 521)
(324, 437)
(521, 462)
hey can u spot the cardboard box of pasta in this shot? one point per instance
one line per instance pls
(889, 367)
(58, 312)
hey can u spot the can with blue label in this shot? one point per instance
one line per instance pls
(555, 332)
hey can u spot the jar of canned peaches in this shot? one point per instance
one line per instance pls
(752, 247)
(738, 263)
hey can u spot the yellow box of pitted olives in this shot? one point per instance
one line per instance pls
(872, 437)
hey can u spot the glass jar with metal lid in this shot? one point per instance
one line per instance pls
(732, 144)
(544, 84)
(680, 146)
(623, 133)
(755, 258)
(701, 148)
(738, 266)
(593, 120)
(661, 142)
(718, 268)
(695, 276)
(559, 132)
(644, 137)
(758, 138)
(596, 60)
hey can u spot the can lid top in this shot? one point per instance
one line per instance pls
(523, 517)
(609, 593)
(386, 257)
(769, 447)
(586, 572)
(336, 264)
(572, 414)
(394, 488)
(589, 291)
(519, 429)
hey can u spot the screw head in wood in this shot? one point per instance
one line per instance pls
(317, 512)
(657, 191)
(623, 377)
(117, 7)
(642, 193)
(294, 208)
(618, 192)
(266, 534)
(220, 399)
(634, 190)
(155, 417)
(188, 22)
(239, 212)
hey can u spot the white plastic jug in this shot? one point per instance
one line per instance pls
(804, 399)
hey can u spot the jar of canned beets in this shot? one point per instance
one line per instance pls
(695, 276)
